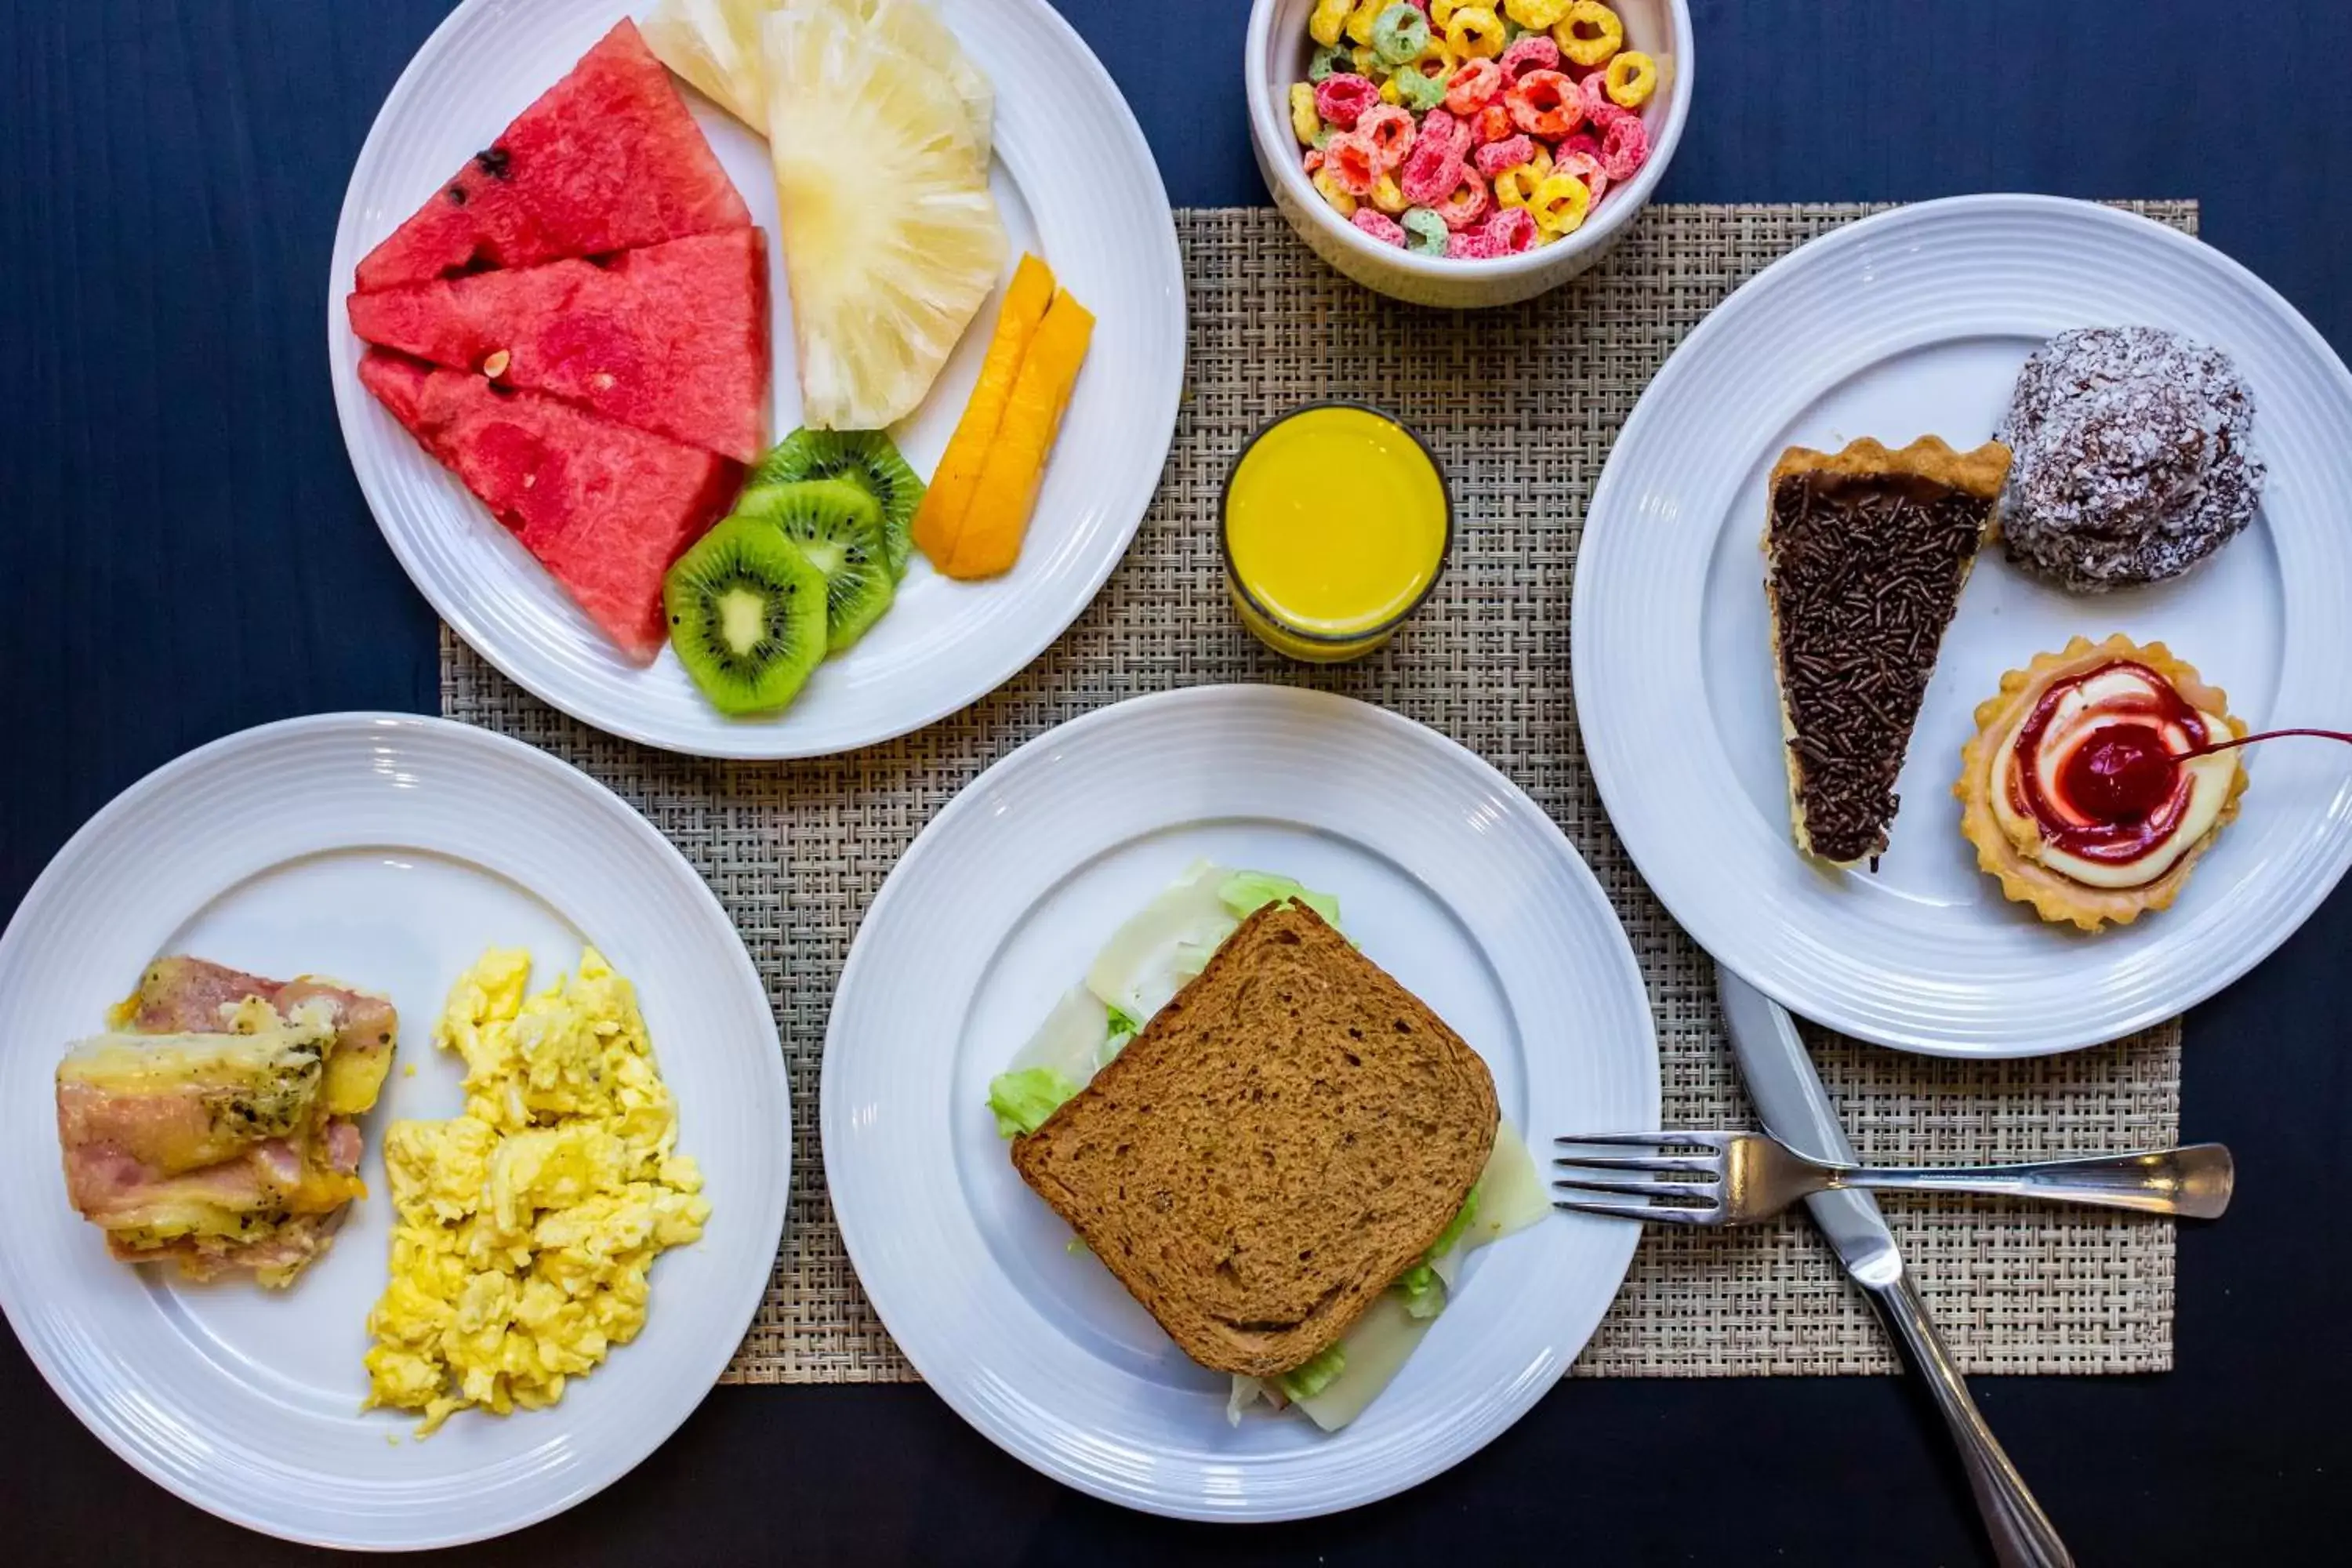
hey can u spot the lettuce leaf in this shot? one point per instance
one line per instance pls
(1246, 892)
(1307, 1380)
(1423, 1291)
(1023, 1100)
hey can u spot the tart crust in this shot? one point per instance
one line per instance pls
(2056, 897)
(1980, 473)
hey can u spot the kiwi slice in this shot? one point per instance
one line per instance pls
(838, 527)
(863, 457)
(747, 616)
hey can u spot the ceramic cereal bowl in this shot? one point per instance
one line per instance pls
(1275, 55)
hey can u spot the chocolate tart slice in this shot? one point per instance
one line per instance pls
(1865, 552)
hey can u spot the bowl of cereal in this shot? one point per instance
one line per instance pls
(1466, 154)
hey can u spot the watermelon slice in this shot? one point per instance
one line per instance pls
(604, 507)
(671, 338)
(606, 159)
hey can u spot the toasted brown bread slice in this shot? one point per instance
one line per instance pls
(1283, 1140)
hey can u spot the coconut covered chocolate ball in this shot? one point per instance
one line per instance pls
(2134, 457)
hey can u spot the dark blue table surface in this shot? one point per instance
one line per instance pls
(186, 554)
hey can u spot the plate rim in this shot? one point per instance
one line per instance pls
(976, 1412)
(158, 781)
(351, 403)
(1613, 787)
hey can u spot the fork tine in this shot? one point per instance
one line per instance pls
(1701, 1194)
(1709, 1163)
(1647, 1213)
(1646, 1139)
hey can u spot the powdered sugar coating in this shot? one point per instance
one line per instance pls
(2134, 457)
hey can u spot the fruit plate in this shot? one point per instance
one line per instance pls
(1447, 875)
(390, 851)
(1076, 182)
(1918, 321)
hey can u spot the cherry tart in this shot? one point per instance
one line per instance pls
(2097, 777)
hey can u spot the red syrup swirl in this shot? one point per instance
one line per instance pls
(2120, 792)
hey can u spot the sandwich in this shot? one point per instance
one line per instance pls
(1282, 1154)
(215, 1125)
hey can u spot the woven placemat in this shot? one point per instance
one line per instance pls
(1520, 406)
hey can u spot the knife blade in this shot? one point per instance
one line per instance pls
(1796, 1109)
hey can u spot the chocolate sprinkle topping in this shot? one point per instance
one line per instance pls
(1865, 571)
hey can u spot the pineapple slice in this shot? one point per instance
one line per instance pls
(890, 238)
(715, 45)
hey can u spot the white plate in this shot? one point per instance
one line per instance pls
(1917, 321)
(1447, 875)
(387, 851)
(1076, 183)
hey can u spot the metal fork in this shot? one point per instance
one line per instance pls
(1739, 1178)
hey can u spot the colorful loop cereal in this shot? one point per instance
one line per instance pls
(1533, 53)
(1304, 122)
(1351, 164)
(1510, 230)
(1585, 167)
(1473, 86)
(1560, 203)
(1497, 157)
(1594, 90)
(1472, 245)
(1441, 125)
(1428, 231)
(1379, 225)
(1470, 202)
(1416, 90)
(1514, 186)
(1342, 99)
(1341, 201)
(1399, 33)
(1431, 174)
(1629, 78)
(1389, 130)
(1589, 33)
(1625, 146)
(1328, 21)
(1542, 103)
(1535, 16)
(1475, 31)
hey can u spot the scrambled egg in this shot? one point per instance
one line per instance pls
(526, 1228)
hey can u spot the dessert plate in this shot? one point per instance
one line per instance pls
(1448, 875)
(389, 851)
(1076, 182)
(1917, 321)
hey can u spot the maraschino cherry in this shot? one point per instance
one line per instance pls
(2121, 774)
(2124, 772)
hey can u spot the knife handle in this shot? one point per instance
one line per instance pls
(2022, 1535)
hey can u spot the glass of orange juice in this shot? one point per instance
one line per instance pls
(1336, 526)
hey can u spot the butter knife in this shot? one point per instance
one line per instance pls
(1788, 1095)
